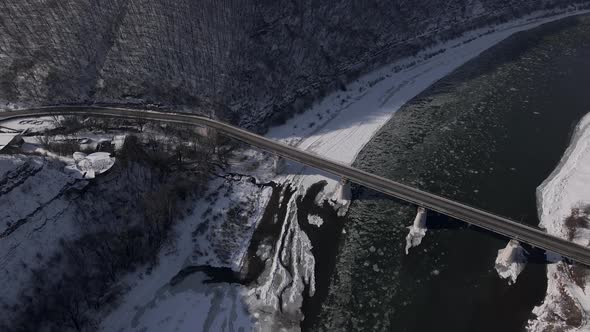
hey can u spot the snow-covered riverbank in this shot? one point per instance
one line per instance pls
(564, 210)
(337, 127)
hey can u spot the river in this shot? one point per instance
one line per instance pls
(486, 135)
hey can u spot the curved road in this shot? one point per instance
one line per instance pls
(483, 219)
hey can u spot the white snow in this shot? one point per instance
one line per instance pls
(417, 230)
(569, 185)
(566, 189)
(510, 261)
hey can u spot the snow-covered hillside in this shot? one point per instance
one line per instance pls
(35, 213)
(255, 62)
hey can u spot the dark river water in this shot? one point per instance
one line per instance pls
(487, 135)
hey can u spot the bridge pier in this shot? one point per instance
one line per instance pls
(342, 196)
(511, 261)
(344, 192)
(417, 230)
(279, 164)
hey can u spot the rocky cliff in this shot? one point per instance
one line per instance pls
(252, 62)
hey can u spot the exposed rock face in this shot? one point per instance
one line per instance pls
(238, 58)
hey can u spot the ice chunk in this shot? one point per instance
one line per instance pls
(315, 220)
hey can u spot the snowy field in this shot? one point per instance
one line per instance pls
(566, 190)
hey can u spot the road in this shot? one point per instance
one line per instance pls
(511, 229)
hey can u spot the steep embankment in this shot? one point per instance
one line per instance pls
(251, 61)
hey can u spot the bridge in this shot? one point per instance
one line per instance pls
(501, 225)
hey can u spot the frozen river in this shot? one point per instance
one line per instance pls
(487, 135)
